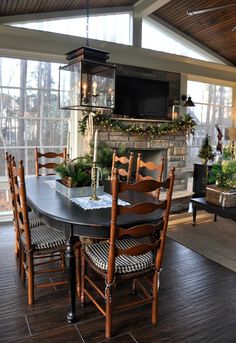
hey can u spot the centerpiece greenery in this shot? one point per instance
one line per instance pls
(76, 172)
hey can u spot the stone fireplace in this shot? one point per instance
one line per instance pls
(172, 147)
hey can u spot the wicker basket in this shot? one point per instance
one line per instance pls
(221, 197)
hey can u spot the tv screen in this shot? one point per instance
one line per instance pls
(141, 98)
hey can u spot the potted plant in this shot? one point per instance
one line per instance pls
(206, 151)
(223, 174)
(76, 172)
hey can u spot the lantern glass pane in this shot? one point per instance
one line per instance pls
(70, 86)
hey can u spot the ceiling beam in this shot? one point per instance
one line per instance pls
(64, 14)
(143, 8)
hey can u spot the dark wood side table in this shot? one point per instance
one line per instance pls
(226, 212)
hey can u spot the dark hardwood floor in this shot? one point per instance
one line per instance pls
(197, 304)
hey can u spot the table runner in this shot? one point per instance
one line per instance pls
(105, 200)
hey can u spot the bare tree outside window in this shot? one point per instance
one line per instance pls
(29, 112)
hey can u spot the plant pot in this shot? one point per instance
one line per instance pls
(76, 192)
(220, 196)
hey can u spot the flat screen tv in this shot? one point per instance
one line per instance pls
(141, 98)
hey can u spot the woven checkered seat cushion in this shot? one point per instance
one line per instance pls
(45, 237)
(124, 263)
(34, 220)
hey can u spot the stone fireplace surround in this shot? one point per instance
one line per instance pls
(172, 147)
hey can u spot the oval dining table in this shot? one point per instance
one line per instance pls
(60, 212)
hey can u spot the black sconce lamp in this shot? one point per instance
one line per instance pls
(188, 101)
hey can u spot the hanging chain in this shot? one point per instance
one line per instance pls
(87, 23)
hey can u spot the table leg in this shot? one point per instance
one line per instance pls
(194, 213)
(215, 217)
(70, 267)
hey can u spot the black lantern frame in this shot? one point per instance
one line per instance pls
(88, 81)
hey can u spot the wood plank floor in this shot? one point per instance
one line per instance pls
(197, 304)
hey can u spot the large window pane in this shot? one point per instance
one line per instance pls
(213, 105)
(29, 112)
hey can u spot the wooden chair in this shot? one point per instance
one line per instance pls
(38, 243)
(128, 254)
(34, 220)
(157, 169)
(48, 165)
(120, 162)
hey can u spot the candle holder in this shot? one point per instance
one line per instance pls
(94, 182)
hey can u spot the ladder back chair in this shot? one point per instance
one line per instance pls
(39, 245)
(134, 253)
(123, 164)
(34, 220)
(152, 167)
(48, 166)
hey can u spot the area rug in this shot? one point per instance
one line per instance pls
(215, 240)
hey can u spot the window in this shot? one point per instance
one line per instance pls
(156, 37)
(213, 105)
(29, 113)
(112, 28)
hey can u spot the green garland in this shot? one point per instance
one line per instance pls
(184, 123)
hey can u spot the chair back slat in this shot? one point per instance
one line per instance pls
(150, 185)
(46, 168)
(125, 171)
(142, 208)
(139, 231)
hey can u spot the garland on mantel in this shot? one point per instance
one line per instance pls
(184, 123)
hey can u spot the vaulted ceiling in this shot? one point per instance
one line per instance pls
(215, 29)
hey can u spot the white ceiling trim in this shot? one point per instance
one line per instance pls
(143, 8)
(40, 45)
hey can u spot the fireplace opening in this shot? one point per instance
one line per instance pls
(153, 155)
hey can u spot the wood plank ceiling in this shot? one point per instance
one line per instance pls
(213, 29)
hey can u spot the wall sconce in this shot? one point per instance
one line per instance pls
(188, 101)
(87, 82)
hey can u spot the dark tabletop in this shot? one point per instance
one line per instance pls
(59, 211)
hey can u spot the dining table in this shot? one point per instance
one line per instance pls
(63, 213)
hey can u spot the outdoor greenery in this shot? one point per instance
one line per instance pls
(206, 151)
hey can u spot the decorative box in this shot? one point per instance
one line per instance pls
(220, 196)
(76, 192)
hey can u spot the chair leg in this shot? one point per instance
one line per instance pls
(108, 330)
(83, 267)
(30, 269)
(22, 264)
(134, 287)
(155, 298)
(62, 255)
